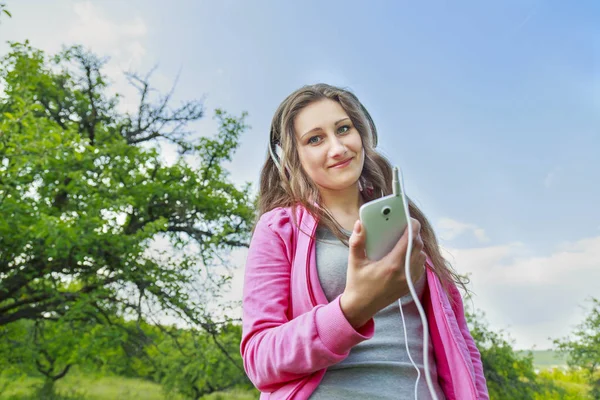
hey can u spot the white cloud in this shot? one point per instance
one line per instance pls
(534, 297)
(507, 264)
(123, 41)
(101, 29)
(449, 229)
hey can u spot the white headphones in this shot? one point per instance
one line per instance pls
(276, 154)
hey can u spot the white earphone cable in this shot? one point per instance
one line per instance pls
(417, 303)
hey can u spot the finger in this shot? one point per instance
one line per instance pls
(415, 256)
(417, 267)
(356, 242)
(416, 226)
(418, 258)
(417, 243)
(400, 248)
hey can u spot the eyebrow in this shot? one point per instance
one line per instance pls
(318, 128)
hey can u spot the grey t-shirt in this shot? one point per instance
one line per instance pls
(378, 368)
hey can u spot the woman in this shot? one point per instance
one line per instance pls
(320, 320)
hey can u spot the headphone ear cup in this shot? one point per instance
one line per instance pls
(277, 155)
(279, 151)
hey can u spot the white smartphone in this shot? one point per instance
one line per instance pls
(384, 220)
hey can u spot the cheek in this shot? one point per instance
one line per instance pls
(315, 167)
(313, 157)
(310, 161)
(356, 142)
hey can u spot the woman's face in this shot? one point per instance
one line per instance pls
(329, 146)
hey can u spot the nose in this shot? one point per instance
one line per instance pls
(337, 149)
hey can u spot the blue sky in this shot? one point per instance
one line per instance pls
(492, 110)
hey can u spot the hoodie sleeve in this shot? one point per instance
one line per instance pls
(276, 349)
(480, 382)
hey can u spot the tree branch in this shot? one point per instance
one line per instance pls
(199, 234)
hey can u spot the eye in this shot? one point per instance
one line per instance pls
(343, 128)
(314, 140)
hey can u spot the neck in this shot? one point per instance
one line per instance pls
(343, 204)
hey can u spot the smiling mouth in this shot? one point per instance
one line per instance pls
(342, 163)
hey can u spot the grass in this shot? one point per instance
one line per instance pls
(89, 387)
(573, 381)
(233, 395)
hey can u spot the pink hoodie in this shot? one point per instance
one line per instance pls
(292, 334)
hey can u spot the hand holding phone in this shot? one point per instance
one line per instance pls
(385, 241)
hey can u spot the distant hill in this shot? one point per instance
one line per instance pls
(543, 359)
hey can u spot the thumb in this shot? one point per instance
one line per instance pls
(357, 243)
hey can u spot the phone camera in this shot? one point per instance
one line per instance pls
(386, 211)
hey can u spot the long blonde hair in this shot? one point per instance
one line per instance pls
(290, 186)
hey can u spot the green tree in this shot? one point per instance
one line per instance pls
(509, 375)
(191, 364)
(583, 347)
(85, 195)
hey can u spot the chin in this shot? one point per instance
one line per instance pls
(340, 184)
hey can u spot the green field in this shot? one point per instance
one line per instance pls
(86, 387)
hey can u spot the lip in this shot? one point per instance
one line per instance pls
(342, 164)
